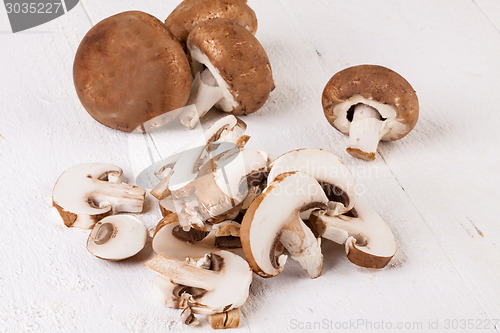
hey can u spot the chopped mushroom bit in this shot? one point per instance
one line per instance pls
(368, 239)
(225, 285)
(274, 217)
(86, 193)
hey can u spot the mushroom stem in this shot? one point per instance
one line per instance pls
(303, 247)
(182, 273)
(365, 132)
(122, 197)
(205, 93)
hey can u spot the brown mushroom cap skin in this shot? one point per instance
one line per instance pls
(191, 13)
(129, 69)
(241, 60)
(376, 83)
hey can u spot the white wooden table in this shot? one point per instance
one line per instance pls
(438, 188)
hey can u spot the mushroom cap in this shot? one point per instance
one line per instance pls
(329, 170)
(190, 13)
(117, 237)
(377, 86)
(129, 69)
(240, 60)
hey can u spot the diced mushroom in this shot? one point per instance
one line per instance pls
(370, 103)
(129, 69)
(117, 237)
(86, 193)
(191, 13)
(170, 239)
(222, 184)
(223, 287)
(228, 319)
(274, 217)
(178, 171)
(367, 237)
(329, 170)
(237, 77)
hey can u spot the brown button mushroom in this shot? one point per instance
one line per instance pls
(191, 13)
(129, 69)
(370, 103)
(236, 74)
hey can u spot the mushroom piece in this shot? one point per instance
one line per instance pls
(170, 239)
(368, 239)
(237, 78)
(191, 13)
(329, 170)
(129, 69)
(117, 237)
(228, 319)
(274, 217)
(86, 193)
(178, 171)
(223, 286)
(222, 185)
(370, 103)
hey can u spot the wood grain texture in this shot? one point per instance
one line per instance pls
(437, 187)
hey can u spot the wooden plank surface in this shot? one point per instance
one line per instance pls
(437, 188)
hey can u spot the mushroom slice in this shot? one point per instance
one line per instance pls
(237, 77)
(368, 239)
(86, 193)
(370, 103)
(129, 69)
(222, 184)
(274, 217)
(117, 237)
(223, 287)
(170, 239)
(329, 170)
(191, 13)
(179, 170)
(228, 319)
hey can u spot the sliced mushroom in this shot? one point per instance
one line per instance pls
(274, 217)
(368, 239)
(86, 193)
(191, 13)
(237, 77)
(170, 239)
(370, 103)
(117, 237)
(178, 171)
(228, 319)
(329, 170)
(223, 287)
(129, 69)
(222, 184)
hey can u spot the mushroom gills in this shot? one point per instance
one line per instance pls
(366, 130)
(208, 89)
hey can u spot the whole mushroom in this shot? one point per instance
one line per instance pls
(129, 69)
(370, 103)
(235, 73)
(191, 13)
